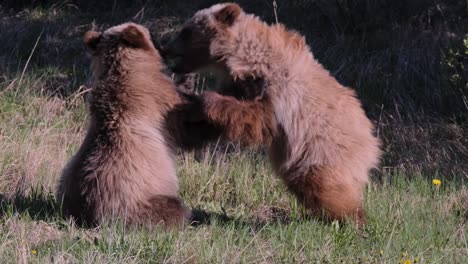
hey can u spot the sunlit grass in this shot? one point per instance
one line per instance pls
(416, 218)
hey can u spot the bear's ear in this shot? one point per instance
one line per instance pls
(134, 37)
(228, 15)
(91, 39)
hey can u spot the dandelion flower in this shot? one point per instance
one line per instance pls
(436, 182)
(407, 261)
(34, 252)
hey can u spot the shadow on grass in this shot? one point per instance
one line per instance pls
(201, 217)
(263, 216)
(38, 205)
(271, 216)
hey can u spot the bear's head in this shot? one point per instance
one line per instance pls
(127, 40)
(191, 49)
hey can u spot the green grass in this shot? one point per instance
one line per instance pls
(254, 218)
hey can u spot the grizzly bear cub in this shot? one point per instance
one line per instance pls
(320, 140)
(125, 167)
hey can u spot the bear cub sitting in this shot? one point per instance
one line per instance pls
(125, 168)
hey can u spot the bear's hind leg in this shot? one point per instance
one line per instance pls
(326, 191)
(167, 211)
(341, 197)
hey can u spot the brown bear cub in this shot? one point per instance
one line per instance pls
(320, 140)
(125, 168)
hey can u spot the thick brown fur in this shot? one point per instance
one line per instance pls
(125, 168)
(246, 121)
(322, 145)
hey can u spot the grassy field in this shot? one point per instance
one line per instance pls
(253, 218)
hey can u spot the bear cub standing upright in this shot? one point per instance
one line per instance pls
(320, 140)
(125, 167)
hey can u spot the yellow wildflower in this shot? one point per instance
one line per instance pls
(404, 254)
(436, 182)
(34, 252)
(381, 252)
(407, 261)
